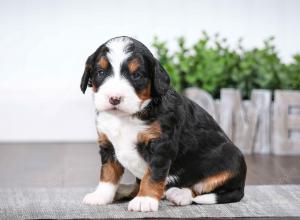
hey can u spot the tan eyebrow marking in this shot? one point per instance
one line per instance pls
(103, 63)
(133, 65)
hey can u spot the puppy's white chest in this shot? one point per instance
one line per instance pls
(122, 131)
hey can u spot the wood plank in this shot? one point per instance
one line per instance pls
(294, 122)
(238, 119)
(261, 100)
(284, 121)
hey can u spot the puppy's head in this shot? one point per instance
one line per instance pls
(124, 76)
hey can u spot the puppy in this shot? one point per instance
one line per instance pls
(171, 145)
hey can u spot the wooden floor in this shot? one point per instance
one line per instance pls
(65, 165)
(78, 165)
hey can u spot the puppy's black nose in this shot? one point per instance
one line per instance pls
(115, 100)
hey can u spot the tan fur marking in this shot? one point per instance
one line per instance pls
(94, 88)
(103, 140)
(145, 93)
(111, 172)
(194, 193)
(103, 63)
(212, 182)
(153, 132)
(149, 187)
(133, 65)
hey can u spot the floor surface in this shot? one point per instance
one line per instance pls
(66, 165)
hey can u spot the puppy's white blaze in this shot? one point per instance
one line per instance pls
(104, 194)
(210, 198)
(117, 53)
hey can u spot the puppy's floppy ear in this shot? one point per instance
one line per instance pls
(86, 77)
(161, 80)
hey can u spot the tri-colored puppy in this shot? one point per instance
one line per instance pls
(173, 147)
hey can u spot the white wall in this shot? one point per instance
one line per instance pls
(44, 44)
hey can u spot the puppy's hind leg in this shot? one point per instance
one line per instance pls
(222, 187)
(224, 197)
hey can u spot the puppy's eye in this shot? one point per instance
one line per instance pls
(101, 72)
(136, 76)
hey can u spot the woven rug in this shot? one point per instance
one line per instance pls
(65, 203)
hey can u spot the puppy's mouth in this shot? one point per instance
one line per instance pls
(113, 109)
(110, 109)
(116, 110)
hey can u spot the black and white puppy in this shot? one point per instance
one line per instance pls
(173, 147)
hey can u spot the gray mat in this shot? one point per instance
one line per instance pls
(37, 203)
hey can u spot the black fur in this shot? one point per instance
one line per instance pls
(91, 69)
(195, 144)
(192, 146)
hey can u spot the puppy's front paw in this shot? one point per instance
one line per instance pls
(97, 198)
(143, 204)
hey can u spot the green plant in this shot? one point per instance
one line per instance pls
(293, 70)
(211, 65)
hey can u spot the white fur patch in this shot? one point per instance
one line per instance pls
(210, 198)
(143, 204)
(117, 87)
(104, 194)
(122, 131)
(179, 196)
